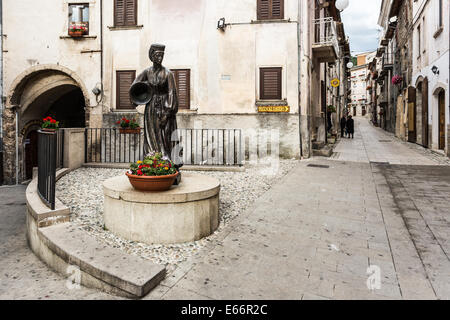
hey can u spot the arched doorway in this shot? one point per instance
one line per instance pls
(441, 110)
(37, 93)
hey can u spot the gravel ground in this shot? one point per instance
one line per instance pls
(81, 191)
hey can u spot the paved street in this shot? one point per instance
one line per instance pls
(312, 236)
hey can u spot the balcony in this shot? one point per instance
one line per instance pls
(388, 61)
(325, 46)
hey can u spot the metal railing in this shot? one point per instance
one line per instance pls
(219, 147)
(60, 149)
(47, 149)
(388, 60)
(325, 33)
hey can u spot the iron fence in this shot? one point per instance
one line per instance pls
(220, 147)
(47, 150)
(60, 149)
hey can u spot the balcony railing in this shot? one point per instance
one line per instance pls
(325, 37)
(388, 60)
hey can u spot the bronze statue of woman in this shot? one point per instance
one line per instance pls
(157, 85)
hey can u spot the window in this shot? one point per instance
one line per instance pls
(124, 79)
(419, 39)
(79, 17)
(270, 9)
(183, 83)
(125, 12)
(270, 83)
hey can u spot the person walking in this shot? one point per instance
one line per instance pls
(343, 125)
(350, 125)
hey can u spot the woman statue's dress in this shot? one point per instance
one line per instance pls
(160, 113)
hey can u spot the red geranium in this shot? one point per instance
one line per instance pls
(49, 123)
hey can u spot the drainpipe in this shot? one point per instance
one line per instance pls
(17, 146)
(1, 76)
(299, 39)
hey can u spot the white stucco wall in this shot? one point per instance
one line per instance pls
(188, 29)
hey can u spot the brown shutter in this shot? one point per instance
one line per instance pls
(277, 9)
(124, 79)
(125, 12)
(183, 83)
(131, 12)
(270, 83)
(270, 9)
(119, 12)
(263, 9)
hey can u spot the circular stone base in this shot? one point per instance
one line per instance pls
(184, 213)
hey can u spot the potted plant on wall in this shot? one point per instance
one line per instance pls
(331, 109)
(76, 30)
(154, 173)
(49, 124)
(397, 80)
(128, 126)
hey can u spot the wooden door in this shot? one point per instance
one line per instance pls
(425, 113)
(412, 135)
(442, 120)
(31, 153)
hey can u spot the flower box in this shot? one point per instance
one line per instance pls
(76, 34)
(130, 131)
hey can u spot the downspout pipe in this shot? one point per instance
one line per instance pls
(299, 39)
(1, 76)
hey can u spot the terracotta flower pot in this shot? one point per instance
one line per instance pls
(48, 130)
(130, 131)
(152, 183)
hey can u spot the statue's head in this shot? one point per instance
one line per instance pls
(156, 53)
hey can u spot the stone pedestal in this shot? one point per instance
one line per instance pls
(187, 212)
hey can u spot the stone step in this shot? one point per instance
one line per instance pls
(316, 145)
(326, 151)
(128, 273)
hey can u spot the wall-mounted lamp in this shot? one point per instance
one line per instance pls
(221, 24)
(96, 91)
(341, 5)
(435, 70)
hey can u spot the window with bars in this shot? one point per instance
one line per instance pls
(124, 79)
(270, 9)
(183, 83)
(125, 13)
(270, 83)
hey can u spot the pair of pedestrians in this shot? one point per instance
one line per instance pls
(347, 126)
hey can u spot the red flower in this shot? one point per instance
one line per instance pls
(141, 166)
(124, 119)
(52, 121)
(139, 172)
(127, 121)
(118, 122)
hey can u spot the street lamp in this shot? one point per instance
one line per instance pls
(341, 5)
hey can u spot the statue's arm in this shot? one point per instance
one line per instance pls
(141, 77)
(173, 98)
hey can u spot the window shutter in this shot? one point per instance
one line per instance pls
(119, 12)
(270, 9)
(131, 12)
(277, 9)
(183, 83)
(124, 79)
(125, 12)
(263, 9)
(270, 83)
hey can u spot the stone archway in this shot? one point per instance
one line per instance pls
(31, 96)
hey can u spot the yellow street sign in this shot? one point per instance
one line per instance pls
(273, 108)
(335, 83)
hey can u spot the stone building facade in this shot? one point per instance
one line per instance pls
(416, 32)
(225, 55)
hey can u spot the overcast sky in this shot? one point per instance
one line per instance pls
(360, 23)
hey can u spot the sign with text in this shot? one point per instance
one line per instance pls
(274, 109)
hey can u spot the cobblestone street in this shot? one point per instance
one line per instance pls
(313, 235)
